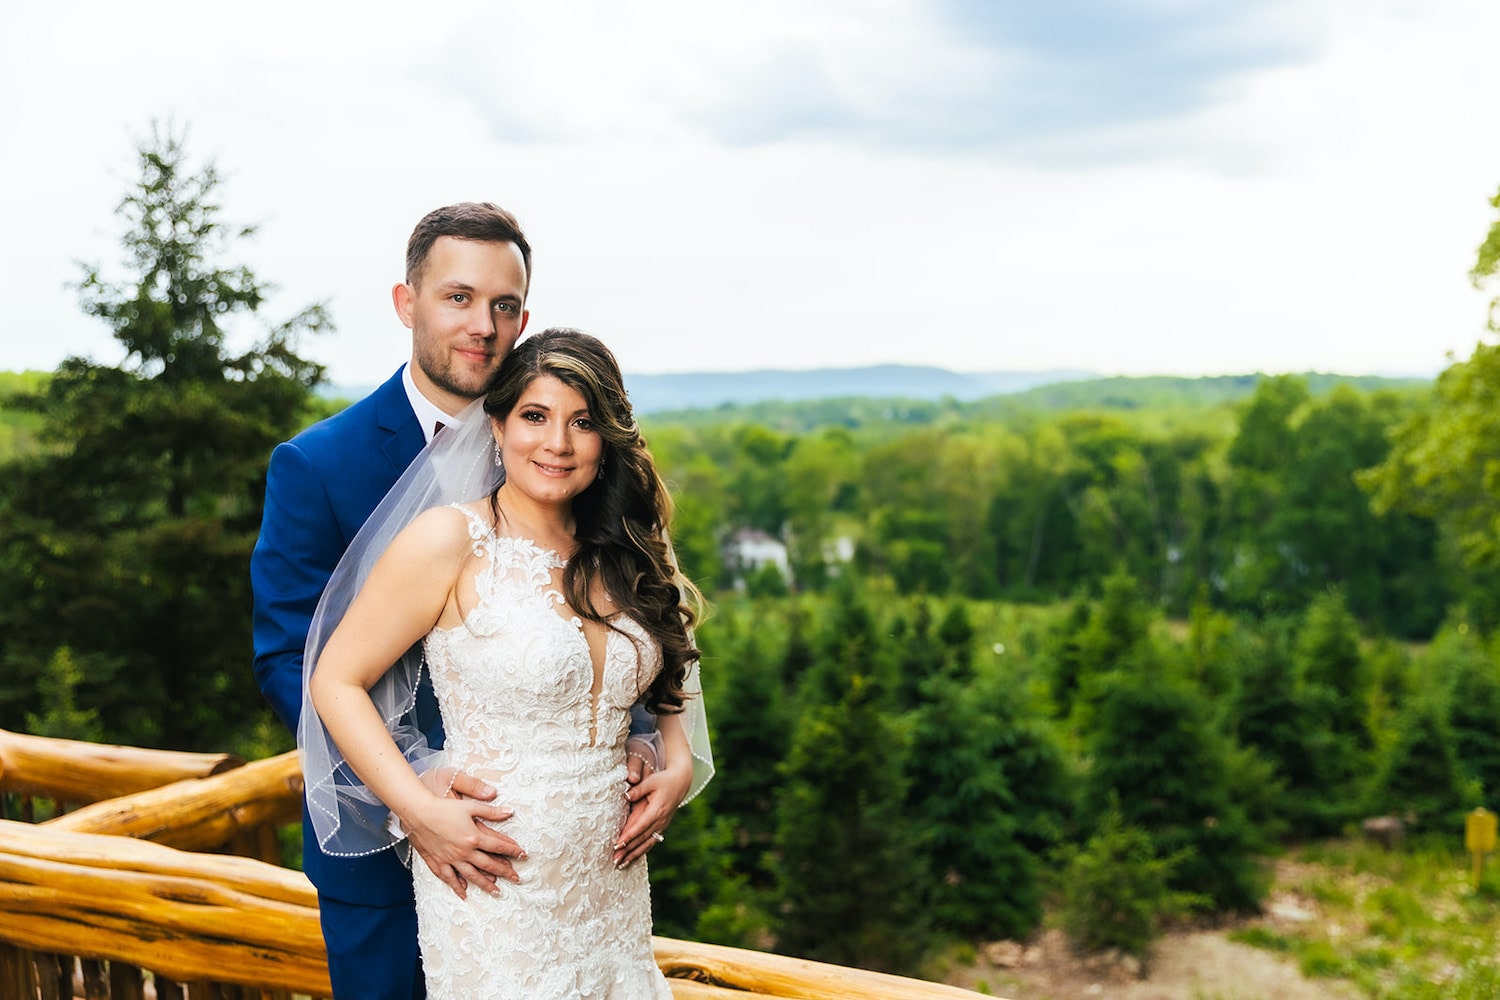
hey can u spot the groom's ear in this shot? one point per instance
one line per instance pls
(401, 298)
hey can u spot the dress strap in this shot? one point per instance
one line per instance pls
(480, 530)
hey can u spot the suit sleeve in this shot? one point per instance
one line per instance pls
(300, 544)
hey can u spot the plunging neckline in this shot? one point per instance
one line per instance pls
(551, 595)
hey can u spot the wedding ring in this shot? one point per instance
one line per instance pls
(657, 837)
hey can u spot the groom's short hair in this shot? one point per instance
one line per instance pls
(468, 220)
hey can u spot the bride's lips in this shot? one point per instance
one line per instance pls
(554, 470)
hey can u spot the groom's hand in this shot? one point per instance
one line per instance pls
(456, 841)
(642, 757)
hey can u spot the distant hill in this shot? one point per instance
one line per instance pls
(709, 390)
(1159, 401)
(1058, 389)
(1139, 392)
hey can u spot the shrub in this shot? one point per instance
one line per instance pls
(1116, 889)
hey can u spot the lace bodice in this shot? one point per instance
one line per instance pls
(515, 682)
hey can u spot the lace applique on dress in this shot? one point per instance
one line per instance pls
(515, 684)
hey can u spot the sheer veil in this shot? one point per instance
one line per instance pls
(348, 818)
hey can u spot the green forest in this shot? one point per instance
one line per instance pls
(1100, 648)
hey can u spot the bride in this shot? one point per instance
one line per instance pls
(544, 607)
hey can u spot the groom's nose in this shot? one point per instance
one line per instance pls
(481, 323)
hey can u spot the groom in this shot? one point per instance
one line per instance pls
(468, 270)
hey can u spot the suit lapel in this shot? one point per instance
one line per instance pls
(403, 436)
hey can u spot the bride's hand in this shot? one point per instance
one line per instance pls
(653, 804)
(454, 840)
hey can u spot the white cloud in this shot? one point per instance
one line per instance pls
(783, 184)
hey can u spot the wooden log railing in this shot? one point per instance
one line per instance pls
(88, 902)
(70, 772)
(236, 811)
(193, 918)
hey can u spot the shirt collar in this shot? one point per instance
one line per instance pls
(429, 415)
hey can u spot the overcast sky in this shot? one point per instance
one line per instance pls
(1127, 186)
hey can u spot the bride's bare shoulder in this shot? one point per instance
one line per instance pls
(438, 531)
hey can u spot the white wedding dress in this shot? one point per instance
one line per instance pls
(515, 685)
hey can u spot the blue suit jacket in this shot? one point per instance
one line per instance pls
(320, 488)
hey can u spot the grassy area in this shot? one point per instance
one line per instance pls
(1397, 925)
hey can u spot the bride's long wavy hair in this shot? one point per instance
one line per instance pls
(621, 519)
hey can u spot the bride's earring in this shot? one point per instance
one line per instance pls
(600, 473)
(499, 462)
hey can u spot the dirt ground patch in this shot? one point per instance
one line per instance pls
(1193, 965)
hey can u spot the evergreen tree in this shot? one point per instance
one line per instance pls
(1328, 656)
(1114, 641)
(846, 880)
(127, 537)
(1117, 889)
(918, 656)
(1474, 718)
(1419, 778)
(956, 631)
(988, 794)
(797, 657)
(1063, 656)
(847, 645)
(752, 731)
(696, 893)
(1154, 749)
(1285, 723)
(62, 718)
(1334, 689)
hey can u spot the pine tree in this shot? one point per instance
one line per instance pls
(1113, 642)
(1064, 657)
(62, 718)
(1328, 656)
(1154, 748)
(988, 797)
(956, 631)
(127, 537)
(1419, 778)
(1286, 724)
(752, 732)
(918, 656)
(845, 876)
(1475, 699)
(1117, 889)
(1328, 744)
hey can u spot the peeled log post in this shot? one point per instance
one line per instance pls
(75, 771)
(201, 814)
